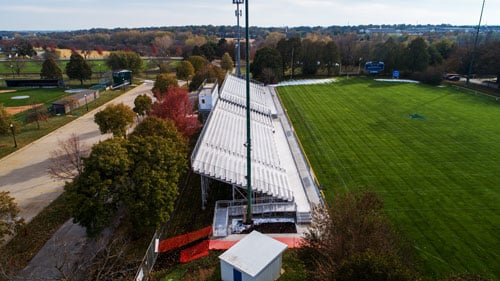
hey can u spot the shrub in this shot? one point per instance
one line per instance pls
(431, 76)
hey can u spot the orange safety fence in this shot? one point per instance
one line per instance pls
(221, 244)
(182, 240)
(291, 242)
(195, 252)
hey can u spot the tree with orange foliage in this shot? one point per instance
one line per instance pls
(176, 106)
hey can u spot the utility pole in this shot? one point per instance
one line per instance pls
(467, 84)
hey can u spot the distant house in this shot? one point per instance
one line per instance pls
(257, 257)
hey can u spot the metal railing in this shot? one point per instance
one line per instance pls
(149, 260)
(226, 209)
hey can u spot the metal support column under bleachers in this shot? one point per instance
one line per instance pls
(236, 192)
(204, 191)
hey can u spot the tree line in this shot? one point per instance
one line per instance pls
(415, 58)
(305, 50)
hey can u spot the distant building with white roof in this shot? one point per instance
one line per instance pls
(208, 93)
(257, 257)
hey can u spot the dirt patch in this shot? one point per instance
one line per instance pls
(7, 91)
(16, 109)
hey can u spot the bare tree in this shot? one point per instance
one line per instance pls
(66, 161)
(353, 224)
(347, 44)
(111, 261)
(162, 44)
(37, 113)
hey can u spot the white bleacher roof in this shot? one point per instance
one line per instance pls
(221, 150)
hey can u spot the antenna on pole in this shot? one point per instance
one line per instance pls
(249, 140)
(467, 84)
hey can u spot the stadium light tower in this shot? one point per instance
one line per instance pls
(249, 140)
(238, 14)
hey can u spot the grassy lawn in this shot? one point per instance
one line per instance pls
(45, 96)
(208, 269)
(34, 66)
(438, 173)
(27, 66)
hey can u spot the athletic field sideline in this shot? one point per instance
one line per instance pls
(432, 153)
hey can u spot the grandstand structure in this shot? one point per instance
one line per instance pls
(279, 192)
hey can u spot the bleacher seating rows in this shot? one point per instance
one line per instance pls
(222, 151)
(260, 98)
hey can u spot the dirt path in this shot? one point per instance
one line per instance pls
(16, 109)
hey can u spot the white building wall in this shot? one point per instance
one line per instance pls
(271, 273)
(205, 102)
(226, 271)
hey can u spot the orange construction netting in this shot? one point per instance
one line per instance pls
(182, 240)
(291, 242)
(195, 252)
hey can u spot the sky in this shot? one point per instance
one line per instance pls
(17, 15)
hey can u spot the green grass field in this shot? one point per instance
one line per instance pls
(46, 96)
(439, 173)
(27, 133)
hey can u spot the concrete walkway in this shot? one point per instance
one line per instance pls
(305, 171)
(65, 254)
(24, 172)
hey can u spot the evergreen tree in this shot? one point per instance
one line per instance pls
(50, 70)
(78, 68)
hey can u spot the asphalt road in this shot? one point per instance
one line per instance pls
(24, 172)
